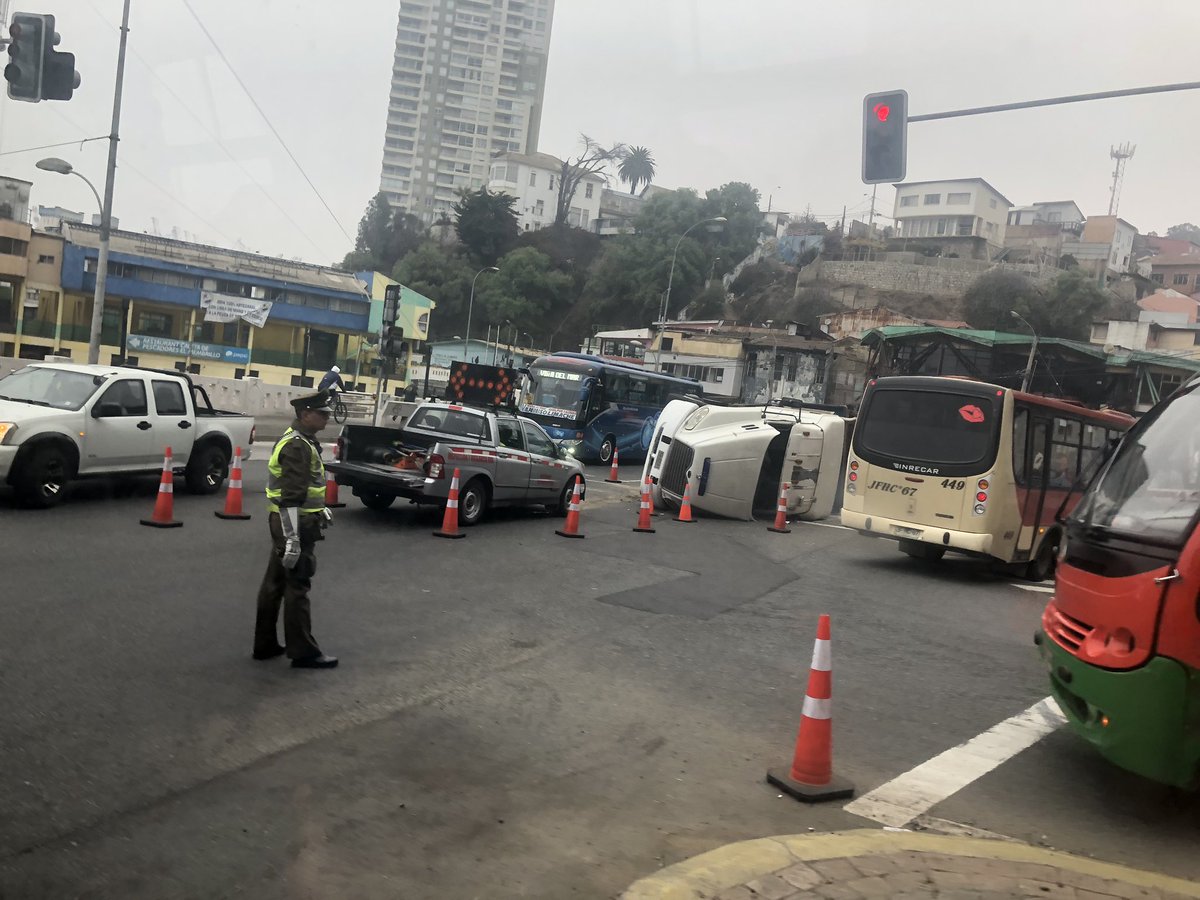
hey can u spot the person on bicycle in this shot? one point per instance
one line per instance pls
(332, 381)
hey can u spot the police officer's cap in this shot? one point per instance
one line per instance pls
(318, 401)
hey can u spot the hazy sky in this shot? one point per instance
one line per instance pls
(764, 91)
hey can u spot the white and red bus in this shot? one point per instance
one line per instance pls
(947, 464)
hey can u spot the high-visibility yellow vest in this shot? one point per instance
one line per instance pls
(314, 502)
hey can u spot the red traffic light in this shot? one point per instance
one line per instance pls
(882, 111)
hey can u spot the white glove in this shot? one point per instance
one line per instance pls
(289, 519)
(326, 517)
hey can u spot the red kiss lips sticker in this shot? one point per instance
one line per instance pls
(971, 413)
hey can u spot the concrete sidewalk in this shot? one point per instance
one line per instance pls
(898, 864)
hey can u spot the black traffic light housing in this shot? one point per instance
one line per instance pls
(36, 71)
(26, 55)
(392, 342)
(391, 305)
(885, 137)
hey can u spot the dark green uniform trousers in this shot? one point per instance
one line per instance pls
(289, 587)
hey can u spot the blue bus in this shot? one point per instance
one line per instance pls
(591, 405)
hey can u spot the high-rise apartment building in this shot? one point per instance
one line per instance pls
(467, 83)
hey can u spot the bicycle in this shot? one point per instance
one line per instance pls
(340, 412)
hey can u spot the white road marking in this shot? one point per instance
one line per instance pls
(1036, 588)
(914, 793)
(819, 524)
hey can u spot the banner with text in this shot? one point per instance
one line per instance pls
(144, 343)
(226, 308)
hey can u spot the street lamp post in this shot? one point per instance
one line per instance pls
(470, 307)
(666, 301)
(1032, 351)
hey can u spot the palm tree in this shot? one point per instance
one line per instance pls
(637, 167)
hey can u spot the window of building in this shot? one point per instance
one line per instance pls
(960, 199)
(539, 208)
(668, 343)
(992, 203)
(933, 199)
(154, 324)
(1054, 217)
(909, 200)
(533, 179)
(587, 191)
(551, 182)
(13, 247)
(1157, 277)
(1180, 278)
(966, 226)
(45, 258)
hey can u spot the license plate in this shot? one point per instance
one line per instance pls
(907, 532)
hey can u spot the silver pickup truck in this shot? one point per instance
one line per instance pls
(504, 460)
(60, 421)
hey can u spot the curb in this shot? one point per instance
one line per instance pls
(709, 874)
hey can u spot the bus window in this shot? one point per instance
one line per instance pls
(1020, 439)
(1037, 452)
(617, 389)
(637, 390)
(930, 426)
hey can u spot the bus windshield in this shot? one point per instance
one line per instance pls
(929, 426)
(556, 393)
(1151, 489)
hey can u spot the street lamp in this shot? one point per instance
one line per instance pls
(1032, 351)
(666, 300)
(62, 167)
(470, 307)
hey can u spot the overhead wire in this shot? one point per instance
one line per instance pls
(78, 143)
(265, 118)
(216, 140)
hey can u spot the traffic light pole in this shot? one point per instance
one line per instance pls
(1056, 101)
(106, 209)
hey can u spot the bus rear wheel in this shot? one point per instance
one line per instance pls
(917, 550)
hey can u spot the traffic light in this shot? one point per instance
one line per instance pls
(59, 78)
(391, 305)
(885, 137)
(392, 341)
(26, 55)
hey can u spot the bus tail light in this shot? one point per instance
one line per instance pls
(435, 467)
(854, 476)
(981, 495)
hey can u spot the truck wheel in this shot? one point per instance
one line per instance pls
(917, 550)
(472, 502)
(607, 448)
(207, 469)
(42, 478)
(375, 500)
(1041, 567)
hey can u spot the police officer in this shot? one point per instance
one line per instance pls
(296, 500)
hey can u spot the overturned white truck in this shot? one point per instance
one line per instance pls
(735, 457)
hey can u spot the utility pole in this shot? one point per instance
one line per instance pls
(106, 210)
(871, 220)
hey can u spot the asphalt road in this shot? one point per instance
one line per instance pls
(516, 715)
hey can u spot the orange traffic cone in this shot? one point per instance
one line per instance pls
(450, 519)
(331, 492)
(613, 476)
(811, 776)
(685, 509)
(233, 497)
(780, 526)
(571, 529)
(164, 506)
(643, 524)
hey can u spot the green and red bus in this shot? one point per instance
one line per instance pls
(1121, 635)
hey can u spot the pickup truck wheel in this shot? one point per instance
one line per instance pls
(207, 469)
(606, 449)
(472, 503)
(377, 501)
(42, 478)
(564, 499)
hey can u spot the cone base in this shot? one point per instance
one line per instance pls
(334, 505)
(154, 524)
(562, 533)
(612, 480)
(449, 534)
(644, 530)
(226, 515)
(684, 521)
(779, 530)
(836, 789)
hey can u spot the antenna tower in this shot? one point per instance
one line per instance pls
(1120, 154)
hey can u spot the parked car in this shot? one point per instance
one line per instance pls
(60, 421)
(504, 460)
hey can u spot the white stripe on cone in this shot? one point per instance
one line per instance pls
(817, 709)
(822, 658)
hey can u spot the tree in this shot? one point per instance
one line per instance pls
(988, 302)
(527, 292)
(1068, 308)
(738, 203)
(443, 275)
(637, 167)
(593, 161)
(1185, 231)
(486, 224)
(374, 234)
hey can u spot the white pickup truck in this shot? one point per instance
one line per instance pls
(60, 421)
